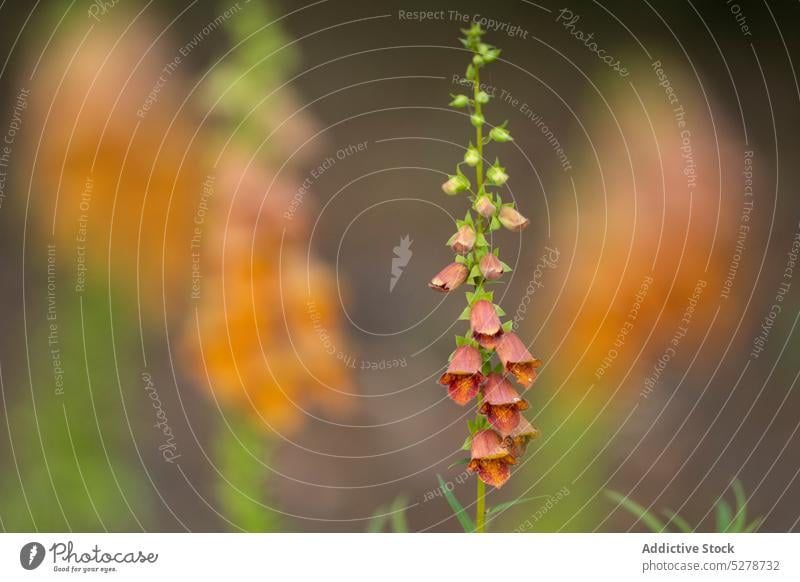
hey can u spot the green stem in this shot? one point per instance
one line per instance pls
(476, 87)
(480, 511)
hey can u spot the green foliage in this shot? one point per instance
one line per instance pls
(242, 488)
(726, 518)
(458, 510)
(394, 514)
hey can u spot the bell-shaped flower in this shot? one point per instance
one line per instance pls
(484, 207)
(517, 359)
(486, 327)
(491, 267)
(517, 440)
(452, 276)
(512, 219)
(463, 240)
(463, 377)
(489, 458)
(501, 404)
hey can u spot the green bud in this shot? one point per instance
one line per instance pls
(455, 184)
(500, 134)
(470, 73)
(472, 157)
(477, 119)
(477, 60)
(490, 55)
(482, 97)
(497, 175)
(459, 101)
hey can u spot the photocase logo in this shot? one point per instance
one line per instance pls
(31, 555)
(402, 255)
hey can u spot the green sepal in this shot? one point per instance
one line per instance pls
(508, 326)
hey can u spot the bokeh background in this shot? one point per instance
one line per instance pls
(199, 208)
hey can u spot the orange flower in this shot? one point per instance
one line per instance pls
(517, 441)
(463, 377)
(489, 459)
(502, 404)
(517, 359)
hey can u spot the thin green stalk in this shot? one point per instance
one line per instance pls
(480, 508)
(476, 87)
(480, 511)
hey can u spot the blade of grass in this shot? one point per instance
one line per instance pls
(507, 504)
(722, 513)
(679, 522)
(377, 521)
(740, 519)
(756, 523)
(463, 518)
(399, 523)
(647, 518)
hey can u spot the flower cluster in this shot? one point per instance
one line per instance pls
(499, 434)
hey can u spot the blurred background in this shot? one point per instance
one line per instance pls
(199, 206)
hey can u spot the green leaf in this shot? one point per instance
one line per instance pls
(378, 520)
(500, 311)
(508, 326)
(679, 522)
(647, 518)
(507, 504)
(398, 516)
(722, 514)
(475, 272)
(467, 443)
(465, 520)
(465, 314)
(740, 519)
(495, 225)
(754, 525)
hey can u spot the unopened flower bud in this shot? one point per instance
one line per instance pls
(512, 219)
(472, 157)
(491, 267)
(463, 241)
(455, 184)
(477, 60)
(496, 175)
(484, 207)
(459, 101)
(500, 134)
(477, 119)
(482, 97)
